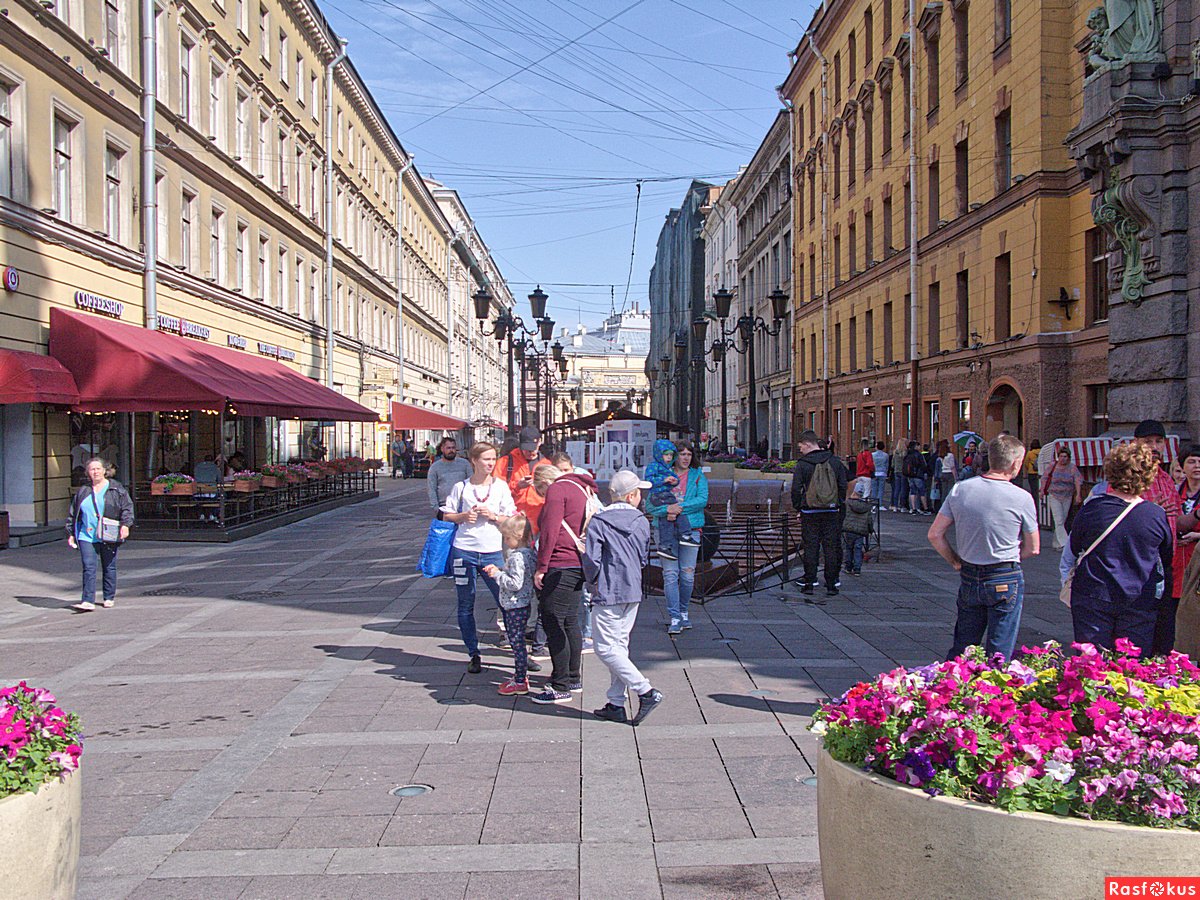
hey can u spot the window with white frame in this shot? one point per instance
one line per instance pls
(9, 143)
(112, 30)
(298, 187)
(241, 137)
(216, 106)
(264, 139)
(187, 59)
(114, 162)
(187, 217)
(339, 313)
(162, 212)
(281, 283)
(339, 130)
(243, 17)
(298, 287)
(314, 93)
(216, 246)
(281, 172)
(314, 297)
(241, 261)
(283, 57)
(264, 34)
(263, 276)
(64, 167)
(300, 79)
(314, 199)
(160, 31)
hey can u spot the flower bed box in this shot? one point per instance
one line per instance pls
(40, 836)
(245, 486)
(881, 839)
(157, 490)
(183, 490)
(295, 478)
(273, 481)
(720, 470)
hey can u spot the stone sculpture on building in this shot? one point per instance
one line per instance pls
(1125, 31)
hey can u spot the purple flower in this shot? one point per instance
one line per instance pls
(919, 766)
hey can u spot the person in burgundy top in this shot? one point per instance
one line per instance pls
(864, 463)
(559, 575)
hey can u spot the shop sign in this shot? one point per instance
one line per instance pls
(237, 341)
(12, 278)
(102, 305)
(277, 352)
(183, 327)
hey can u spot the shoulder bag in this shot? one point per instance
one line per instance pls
(1064, 593)
(593, 506)
(110, 529)
(436, 555)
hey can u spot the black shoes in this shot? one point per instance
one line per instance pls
(610, 713)
(475, 666)
(831, 591)
(805, 586)
(646, 704)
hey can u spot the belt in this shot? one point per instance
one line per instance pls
(992, 567)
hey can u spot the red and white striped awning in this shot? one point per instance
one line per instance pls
(1090, 452)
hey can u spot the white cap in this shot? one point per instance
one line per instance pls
(622, 484)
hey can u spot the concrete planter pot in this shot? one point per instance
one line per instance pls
(720, 471)
(40, 836)
(881, 839)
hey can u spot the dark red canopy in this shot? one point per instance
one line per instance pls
(406, 417)
(123, 368)
(33, 378)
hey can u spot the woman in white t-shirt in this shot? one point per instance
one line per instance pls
(478, 506)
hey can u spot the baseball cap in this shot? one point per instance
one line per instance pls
(623, 483)
(1150, 428)
(530, 438)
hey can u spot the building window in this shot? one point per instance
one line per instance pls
(216, 106)
(852, 234)
(300, 79)
(281, 284)
(837, 169)
(837, 349)
(241, 260)
(935, 196)
(112, 30)
(852, 55)
(933, 416)
(868, 128)
(868, 239)
(907, 214)
(187, 215)
(298, 295)
(163, 215)
(837, 78)
(1003, 151)
(853, 343)
(264, 279)
(889, 351)
(216, 247)
(187, 52)
(812, 354)
(935, 319)
(908, 328)
(243, 17)
(812, 274)
(241, 149)
(961, 176)
(812, 196)
(1003, 296)
(962, 303)
(264, 35)
(933, 58)
(868, 36)
(962, 66)
(8, 140)
(837, 258)
(962, 415)
(113, 209)
(851, 158)
(887, 20)
(906, 78)
(885, 112)
(1098, 409)
(1003, 22)
(1097, 275)
(869, 339)
(264, 140)
(314, 91)
(888, 249)
(283, 57)
(64, 176)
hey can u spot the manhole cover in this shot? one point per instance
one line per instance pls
(453, 701)
(169, 592)
(726, 640)
(763, 692)
(410, 790)
(811, 781)
(259, 595)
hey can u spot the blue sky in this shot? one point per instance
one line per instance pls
(545, 115)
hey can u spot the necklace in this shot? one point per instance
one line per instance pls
(475, 491)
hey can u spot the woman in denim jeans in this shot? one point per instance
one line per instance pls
(691, 495)
(100, 498)
(478, 506)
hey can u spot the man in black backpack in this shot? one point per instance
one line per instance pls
(818, 494)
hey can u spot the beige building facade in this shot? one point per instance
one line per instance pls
(947, 274)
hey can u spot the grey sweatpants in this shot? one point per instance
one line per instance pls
(611, 625)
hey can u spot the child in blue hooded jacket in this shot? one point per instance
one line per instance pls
(663, 481)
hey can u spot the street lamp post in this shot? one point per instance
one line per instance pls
(745, 327)
(506, 326)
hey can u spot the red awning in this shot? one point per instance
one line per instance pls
(33, 378)
(123, 368)
(406, 417)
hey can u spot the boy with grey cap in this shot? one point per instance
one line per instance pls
(617, 548)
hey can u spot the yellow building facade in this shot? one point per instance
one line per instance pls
(996, 318)
(244, 222)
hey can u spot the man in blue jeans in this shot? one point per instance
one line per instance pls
(995, 527)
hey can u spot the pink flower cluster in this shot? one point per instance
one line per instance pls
(38, 740)
(1096, 735)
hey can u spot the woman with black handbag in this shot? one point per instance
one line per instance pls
(98, 522)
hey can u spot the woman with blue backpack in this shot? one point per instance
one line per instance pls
(691, 497)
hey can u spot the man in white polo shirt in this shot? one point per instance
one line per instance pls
(995, 527)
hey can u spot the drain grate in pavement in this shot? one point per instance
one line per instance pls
(453, 701)
(410, 790)
(179, 591)
(259, 595)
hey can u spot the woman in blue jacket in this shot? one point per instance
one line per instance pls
(691, 493)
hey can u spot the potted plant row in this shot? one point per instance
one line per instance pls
(173, 483)
(274, 476)
(247, 481)
(1038, 777)
(40, 794)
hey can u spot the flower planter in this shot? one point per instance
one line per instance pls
(157, 490)
(720, 471)
(40, 836)
(293, 478)
(273, 481)
(245, 486)
(881, 839)
(183, 490)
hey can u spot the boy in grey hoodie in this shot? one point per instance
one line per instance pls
(618, 546)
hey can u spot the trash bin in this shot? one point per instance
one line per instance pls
(3, 529)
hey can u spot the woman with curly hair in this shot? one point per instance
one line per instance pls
(1123, 549)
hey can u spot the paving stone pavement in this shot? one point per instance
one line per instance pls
(248, 708)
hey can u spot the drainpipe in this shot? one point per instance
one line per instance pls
(329, 338)
(455, 237)
(914, 368)
(400, 271)
(824, 162)
(149, 164)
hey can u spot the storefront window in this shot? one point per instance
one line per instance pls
(104, 435)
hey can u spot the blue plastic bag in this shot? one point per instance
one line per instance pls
(435, 555)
